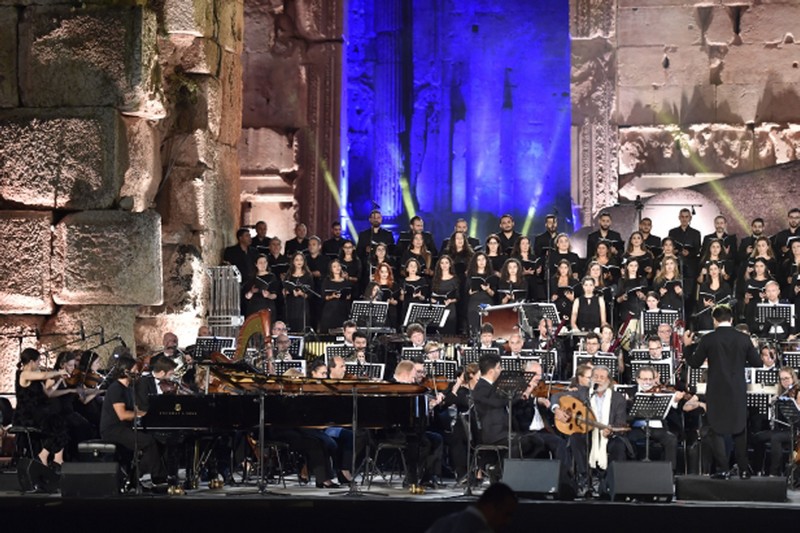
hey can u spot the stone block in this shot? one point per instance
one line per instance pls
(648, 149)
(684, 104)
(754, 64)
(108, 258)
(25, 246)
(687, 66)
(190, 54)
(61, 158)
(634, 106)
(143, 174)
(115, 320)
(230, 24)
(259, 26)
(776, 144)
(8, 57)
(87, 57)
(738, 104)
(186, 284)
(17, 332)
(316, 20)
(195, 150)
(266, 150)
(766, 22)
(193, 17)
(274, 91)
(227, 117)
(780, 102)
(659, 26)
(592, 75)
(716, 148)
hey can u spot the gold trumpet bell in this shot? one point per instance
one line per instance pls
(176, 490)
(416, 489)
(216, 484)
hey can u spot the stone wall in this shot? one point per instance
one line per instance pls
(119, 123)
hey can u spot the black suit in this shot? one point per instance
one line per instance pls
(728, 352)
(595, 237)
(524, 412)
(492, 418)
(368, 236)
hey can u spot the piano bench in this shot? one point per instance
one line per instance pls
(97, 451)
(372, 467)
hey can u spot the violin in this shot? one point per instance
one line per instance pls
(91, 380)
(436, 383)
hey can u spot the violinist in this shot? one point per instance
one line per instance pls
(458, 396)
(778, 435)
(515, 345)
(647, 382)
(534, 417)
(94, 386)
(35, 409)
(116, 422)
(66, 393)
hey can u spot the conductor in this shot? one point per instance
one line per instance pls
(728, 352)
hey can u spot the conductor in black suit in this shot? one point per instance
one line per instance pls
(728, 352)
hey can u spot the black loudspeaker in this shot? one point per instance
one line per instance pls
(34, 476)
(89, 480)
(538, 478)
(651, 481)
(756, 489)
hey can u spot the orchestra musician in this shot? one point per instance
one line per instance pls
(458, 396)
(35, 409)
(778, 436)
(68, 392)
(118, 417)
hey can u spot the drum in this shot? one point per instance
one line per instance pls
(504, 319)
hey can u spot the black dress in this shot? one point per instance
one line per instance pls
(447, 289)
(257, 300)
(410, 288)
(479, 298)
(336, 310)
(297, 315)
(703, 320)
(588, 313)
(35, 409)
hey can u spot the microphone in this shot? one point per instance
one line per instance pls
(122, 341)
(594, 389)
(102, 335)
(82, 332)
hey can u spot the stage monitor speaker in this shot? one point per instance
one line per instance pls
(89, 480)
(538, 478)
(756, 489)
(643, 481)
(33, 476)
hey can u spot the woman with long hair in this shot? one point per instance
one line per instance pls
(589, 310)
(637, 249)
(669, 284)
(712, 292)
(351, 264)
(512, 287)
(495, 253)
(481, 286)
(35, 408)
(295, 291)
(417, 250)
(715, 253)
(445, 290)
(383, 289)
(563, 289)
(415, 288)
(261, 291)
(337, 295)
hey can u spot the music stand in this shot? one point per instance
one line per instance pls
(282, 366)
(663, 367)
(516, 364)
(758, 401)
(205, 346)
(441, 370)
(409, 353)
(549, 360)
(532, 313)
(337, 350)
(366, 313)
(642, 354)
(652, 319)
(764, 376)
(696, 377)
(776, 315)
(372, 371)
(511, 384)
(296, 346)
(792, 359)
(602, 358)
(426, 314)
(788, 409)
(647, 407)
(473, 355)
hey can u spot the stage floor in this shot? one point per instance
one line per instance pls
(383, 508)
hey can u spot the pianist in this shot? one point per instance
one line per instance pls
(117, 418)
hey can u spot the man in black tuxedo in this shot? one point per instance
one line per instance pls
(687, 240)
(747, 243)
(728, 352)
(261, 240)
(491, 410)
(508, 237)
(332, 246)
(416, 225)
(653, 242)
(373, 235)
(604, 233)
